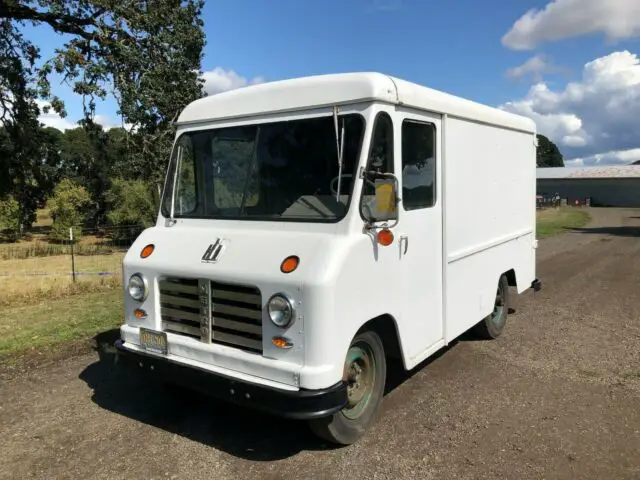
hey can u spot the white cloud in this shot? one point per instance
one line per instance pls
(562, 19)
(574, 141)
(216, 81)
(597, 114)
(220, 80)
(109, 123)
(52, 119)
(536, 67)
(622, 157)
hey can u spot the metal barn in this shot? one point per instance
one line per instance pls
(614, 186)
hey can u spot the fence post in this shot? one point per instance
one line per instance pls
(73, 260)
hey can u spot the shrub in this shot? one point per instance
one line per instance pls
(10, 218)
(68, 207)
(131, 207)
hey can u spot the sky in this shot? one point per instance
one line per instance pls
(571, 65)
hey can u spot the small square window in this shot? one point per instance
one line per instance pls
(418, 165)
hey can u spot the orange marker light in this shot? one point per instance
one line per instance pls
(385, 237)
(148, 250)
(289, 264)
(282, 343)
(139, 314)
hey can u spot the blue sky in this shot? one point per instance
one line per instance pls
(458, 46)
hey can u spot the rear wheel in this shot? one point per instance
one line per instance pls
(493, 324)
(365, 373)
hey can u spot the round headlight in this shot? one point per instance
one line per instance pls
(280, 310)
(137, 287)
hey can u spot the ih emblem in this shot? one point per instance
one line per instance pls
(213, 252)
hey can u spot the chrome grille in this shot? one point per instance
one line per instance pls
(180, 307)
(213, 312)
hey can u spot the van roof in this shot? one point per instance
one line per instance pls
(338, 89)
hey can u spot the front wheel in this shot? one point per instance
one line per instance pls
(365, 373)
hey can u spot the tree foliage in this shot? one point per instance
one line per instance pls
(10, 218)
(547, 154)
(132, 203)
(147, 53)
(68, 207)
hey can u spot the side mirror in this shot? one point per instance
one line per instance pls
(383, 205)
(386, 200)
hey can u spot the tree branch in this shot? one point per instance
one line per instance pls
(61, 23)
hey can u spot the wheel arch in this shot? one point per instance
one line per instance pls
(386, 327)
(512, 280)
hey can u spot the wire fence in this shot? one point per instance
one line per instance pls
(89, 252)
(85, 241)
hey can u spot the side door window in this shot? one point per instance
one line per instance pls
(380, 160)
(418, 165)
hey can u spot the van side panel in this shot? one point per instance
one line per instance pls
(490, 180)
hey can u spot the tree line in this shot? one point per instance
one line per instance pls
(85, 178)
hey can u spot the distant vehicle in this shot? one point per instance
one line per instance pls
(312, 228)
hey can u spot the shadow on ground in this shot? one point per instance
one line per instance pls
(238, 431)
(626, 231)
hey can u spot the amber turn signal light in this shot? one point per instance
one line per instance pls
(289, 264)
(282, 343)
(385, 237)
(148, 250)
(139, 314)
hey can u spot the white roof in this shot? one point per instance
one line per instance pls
(617, 171)
(339, 89)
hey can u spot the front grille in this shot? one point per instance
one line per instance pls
(180, 307)
(212, 312)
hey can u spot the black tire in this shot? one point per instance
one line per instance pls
(349, 424)
(493, 324)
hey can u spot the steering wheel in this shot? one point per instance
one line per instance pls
(346, 175)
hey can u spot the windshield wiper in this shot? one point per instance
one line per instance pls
(340, 148)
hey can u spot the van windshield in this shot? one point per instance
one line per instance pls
(277, 171)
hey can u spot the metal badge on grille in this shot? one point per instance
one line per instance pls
(204, 294)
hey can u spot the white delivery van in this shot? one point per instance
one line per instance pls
(312, 228)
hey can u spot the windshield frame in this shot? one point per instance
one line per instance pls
(353, 111)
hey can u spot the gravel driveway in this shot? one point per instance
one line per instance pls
(557, 396)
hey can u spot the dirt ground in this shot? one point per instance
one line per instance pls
(557, 396)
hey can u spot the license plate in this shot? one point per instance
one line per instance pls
(153, 341)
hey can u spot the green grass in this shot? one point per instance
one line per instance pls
(558, 220)
(44, 325)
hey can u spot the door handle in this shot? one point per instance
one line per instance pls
(404, 239)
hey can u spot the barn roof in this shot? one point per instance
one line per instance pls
(620, 171)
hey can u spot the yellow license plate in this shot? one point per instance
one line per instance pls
(153, 341)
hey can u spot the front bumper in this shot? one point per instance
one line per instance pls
(296, 404)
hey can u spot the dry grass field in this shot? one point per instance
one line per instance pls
(40, 304)
(33, 280)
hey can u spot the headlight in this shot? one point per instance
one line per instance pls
(137, 287)
(280, 310)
